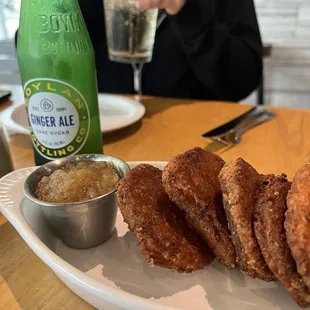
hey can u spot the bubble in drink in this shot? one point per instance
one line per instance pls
(130, 34)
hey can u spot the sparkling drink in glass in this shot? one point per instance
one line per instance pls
(130, 32)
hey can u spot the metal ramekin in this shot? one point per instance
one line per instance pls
(79, 225)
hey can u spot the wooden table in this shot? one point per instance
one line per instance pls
(168, 128)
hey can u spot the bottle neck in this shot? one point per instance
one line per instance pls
(49, 7)
(51, 17)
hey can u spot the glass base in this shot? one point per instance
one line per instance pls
(129, 59)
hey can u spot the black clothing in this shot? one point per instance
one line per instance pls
(210, 50)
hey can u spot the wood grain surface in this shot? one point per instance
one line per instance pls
(168, 128)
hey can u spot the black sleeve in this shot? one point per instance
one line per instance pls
(222, 41)
(15, 38)
(93, 14)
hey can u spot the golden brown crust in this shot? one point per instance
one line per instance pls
(239, 182)
(297, 222)
(191, 181)
(165, 238)
(269, 216)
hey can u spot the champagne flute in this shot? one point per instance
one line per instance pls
(130, 35)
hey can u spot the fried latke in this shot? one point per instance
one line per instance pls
(191, 181)
(239, 183)
(163, 234)
(297, 222)
(269, 216)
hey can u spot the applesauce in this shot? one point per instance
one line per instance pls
(76, 182)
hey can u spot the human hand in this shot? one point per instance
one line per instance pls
(171, 6)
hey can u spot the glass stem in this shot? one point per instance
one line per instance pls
(137, 74)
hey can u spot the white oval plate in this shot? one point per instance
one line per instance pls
(116, 112)
(116, 276)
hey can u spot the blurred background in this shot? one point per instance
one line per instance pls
(285, 29)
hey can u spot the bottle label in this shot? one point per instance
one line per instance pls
(58, 117)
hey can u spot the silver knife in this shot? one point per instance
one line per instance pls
(227, 127)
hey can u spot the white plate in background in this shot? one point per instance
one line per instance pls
(115, 275)
(116, 112)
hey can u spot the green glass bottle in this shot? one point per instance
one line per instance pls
(57, 67)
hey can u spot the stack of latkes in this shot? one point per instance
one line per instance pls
(199, 208)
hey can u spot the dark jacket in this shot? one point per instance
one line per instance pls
(211, 50)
